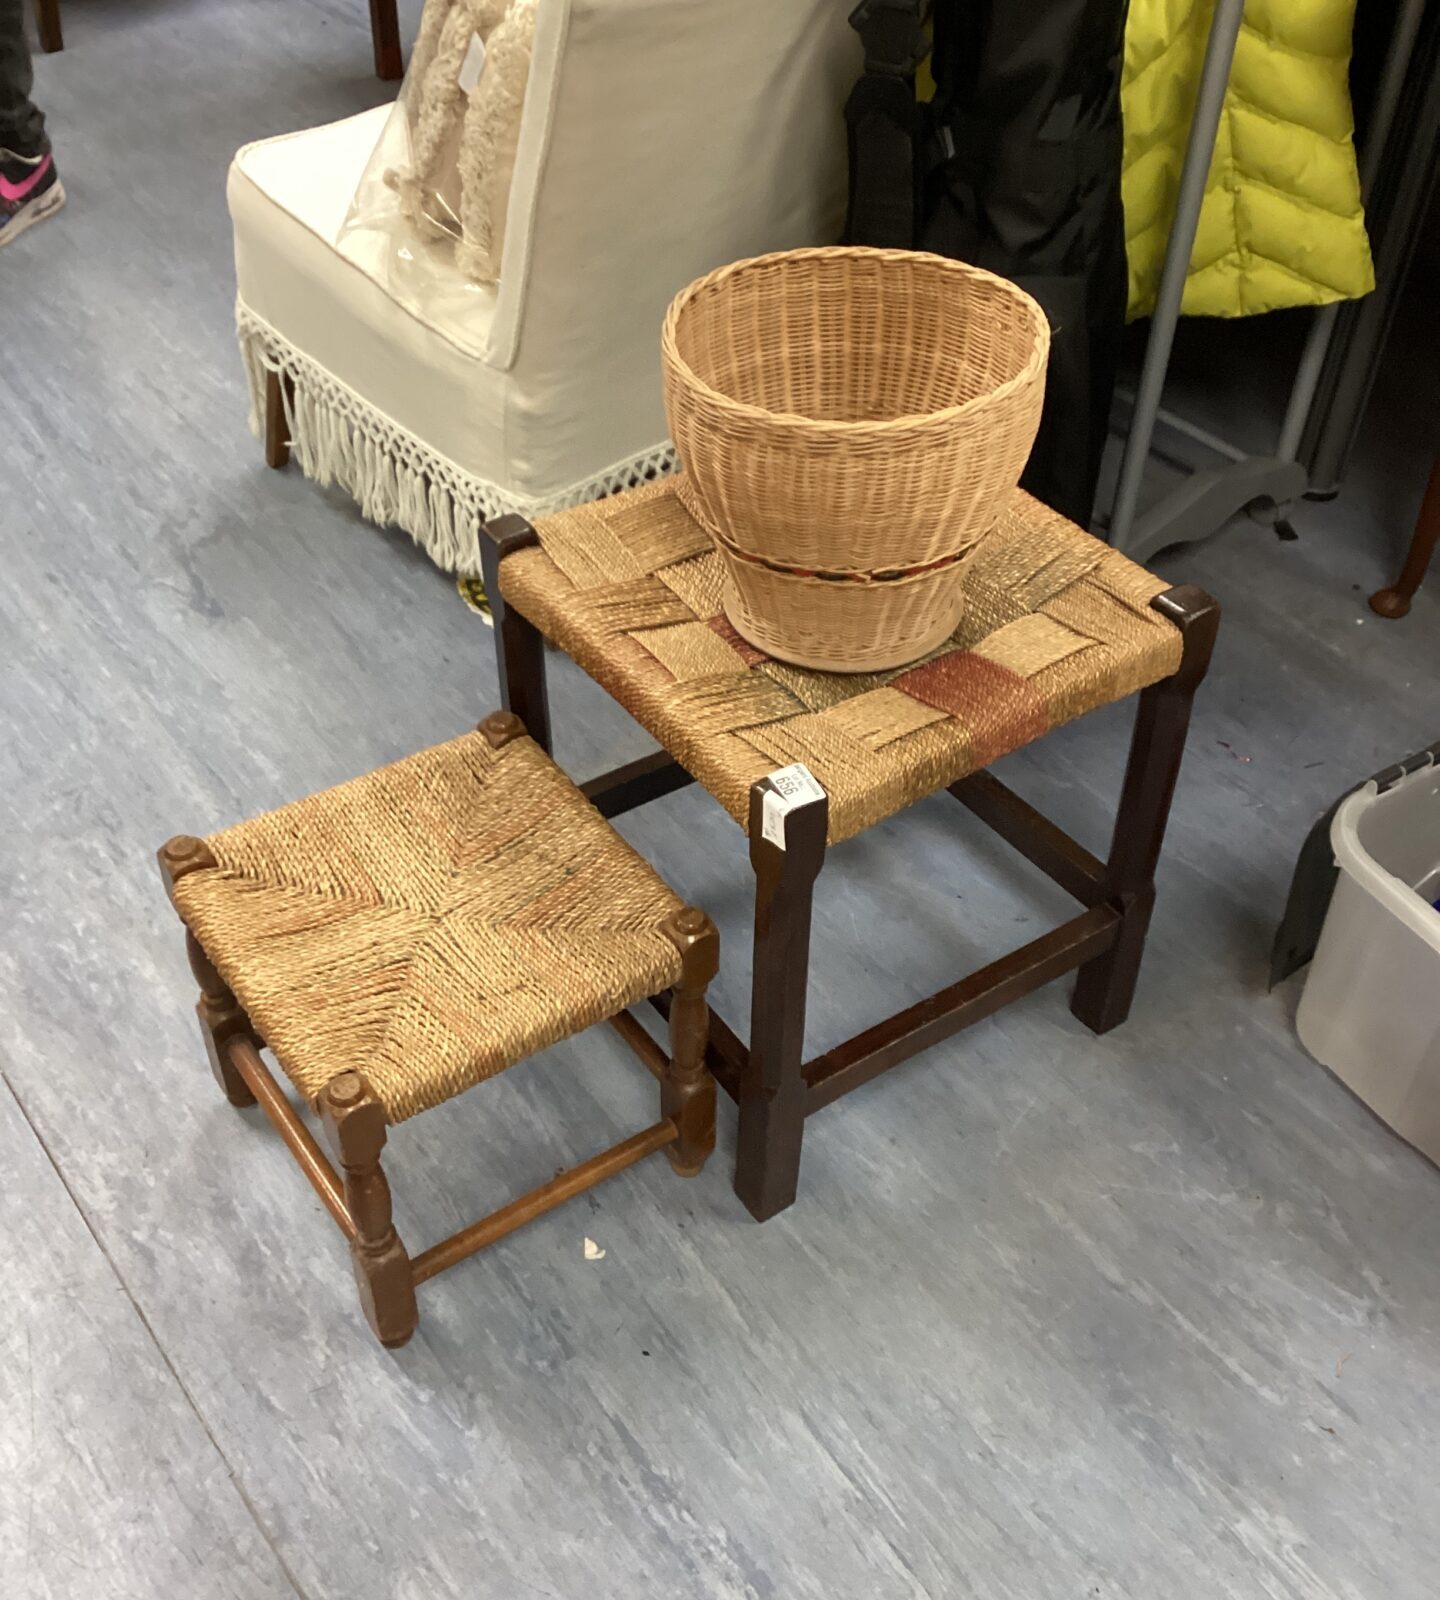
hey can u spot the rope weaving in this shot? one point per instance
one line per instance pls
(1056, 624)
(431, 923)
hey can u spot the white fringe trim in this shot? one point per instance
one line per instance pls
(336, 437)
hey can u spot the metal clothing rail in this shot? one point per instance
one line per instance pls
(1210, 495)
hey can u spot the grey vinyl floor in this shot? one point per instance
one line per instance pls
(1055, 1317)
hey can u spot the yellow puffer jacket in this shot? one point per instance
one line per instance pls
(1282, 223)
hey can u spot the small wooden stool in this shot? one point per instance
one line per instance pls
(402, 937)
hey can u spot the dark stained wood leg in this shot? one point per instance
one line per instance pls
(221, 1017)
(687, 1091)
(385, 35)
(1395, 601)
(47, 25)
(772, 1090)
(355, 1122)
(519, 645)
(1106, 985)
(279, 391)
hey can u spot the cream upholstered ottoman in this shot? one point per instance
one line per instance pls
(657, 141)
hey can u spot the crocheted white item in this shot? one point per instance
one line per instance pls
(490, 140)
(463, 145)
(338, 437)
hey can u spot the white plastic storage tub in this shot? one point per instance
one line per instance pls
(1371, 1007)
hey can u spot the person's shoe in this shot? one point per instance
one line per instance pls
(30, 191)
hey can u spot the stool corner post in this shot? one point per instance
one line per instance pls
(501, 728)
(502, 536)
(789, 830)
(788, 837)
(355, 1123)
(1197, 615)
(1105, 987)
(519, 645)
(182, 855)
(687, 1088)
(698, 941)
(220, 1015)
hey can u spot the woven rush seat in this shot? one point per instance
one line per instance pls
(430, 923)
(1056, 624)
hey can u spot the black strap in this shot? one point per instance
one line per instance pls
(885, 124)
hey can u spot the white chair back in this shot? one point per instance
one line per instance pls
(660, 139)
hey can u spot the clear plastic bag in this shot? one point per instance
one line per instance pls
(428, 217)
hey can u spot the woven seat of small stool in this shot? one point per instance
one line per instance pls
(431, 923)
(1057, 624)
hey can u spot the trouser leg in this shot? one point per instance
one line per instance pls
(22, 127)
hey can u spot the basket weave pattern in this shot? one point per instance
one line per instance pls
(844, 411)
(1055, 624)
(431, 923)
(852, 409)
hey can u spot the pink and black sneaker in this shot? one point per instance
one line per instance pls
(30, 191)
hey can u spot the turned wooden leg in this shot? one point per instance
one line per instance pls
(772, 1088)
(1105, 986)
(220, 1013)
(355, 1122)
(1395, 601)
(519, 644)
(47, 25)
(221, 1020)
(385, 36)
(687, 1091)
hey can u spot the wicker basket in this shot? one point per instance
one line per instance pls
(852, 409)
(845, 622)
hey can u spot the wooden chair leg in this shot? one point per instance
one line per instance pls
(47, 25)
(220, 1013)
(772, 1089)
(385, 35)
(1105, 986)
(355, 1122)
(1395, 601)
(279, 391)
(687, 1091)
(519, 644)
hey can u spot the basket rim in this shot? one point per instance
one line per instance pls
(1036, 363)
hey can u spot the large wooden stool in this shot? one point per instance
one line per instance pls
(411, 933)
(1056, 625)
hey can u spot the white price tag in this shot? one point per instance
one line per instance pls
(790, 787)
(473, 65)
